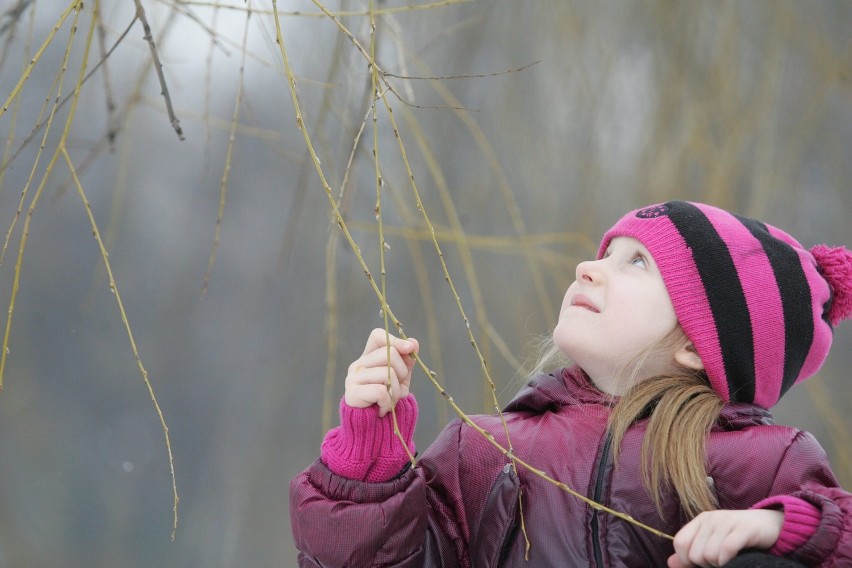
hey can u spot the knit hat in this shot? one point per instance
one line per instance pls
(759, 307)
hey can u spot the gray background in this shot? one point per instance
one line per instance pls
(743, 105)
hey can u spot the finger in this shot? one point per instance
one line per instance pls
(710, 550)
(386, 398)
(709, 542)
(698, 547)
(415, 348)
(407, 346)
(373, 394)
(379, 359)
(731, 545)
(721, 545)
(372, 376)
(408, 349)
(683, 543)
(379, 337)
(370, 386)
(391, 393)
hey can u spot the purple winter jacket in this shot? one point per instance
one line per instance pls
(459, 506)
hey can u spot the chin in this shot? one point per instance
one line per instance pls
(567, 341)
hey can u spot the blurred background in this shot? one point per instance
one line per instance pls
(528, 127)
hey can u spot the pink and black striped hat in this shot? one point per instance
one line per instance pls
(759, 307)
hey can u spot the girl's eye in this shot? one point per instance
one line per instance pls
(639, 261)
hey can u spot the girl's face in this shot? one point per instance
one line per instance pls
(617, 307)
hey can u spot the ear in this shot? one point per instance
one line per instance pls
(688, 357)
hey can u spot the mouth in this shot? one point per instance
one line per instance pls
(582, 301)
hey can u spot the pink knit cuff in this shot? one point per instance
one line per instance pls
(364, 447)
(801, 520)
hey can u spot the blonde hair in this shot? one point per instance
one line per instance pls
(545, 357)
(681, 401)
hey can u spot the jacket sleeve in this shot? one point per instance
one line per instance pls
(804, 472)
(398, 523)
(344, 522)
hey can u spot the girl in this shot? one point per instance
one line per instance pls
(688, 327)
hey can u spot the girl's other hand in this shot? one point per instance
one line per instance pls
(366, 381)
(713, 538)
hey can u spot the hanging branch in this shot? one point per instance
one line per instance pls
(62, 148)
(378, 74)
(38, 125)
(108, 91)
(508, 452)
(346, 13)
(58, 82)
(331, 288)
(466, 76)
(223, 184)
(28, 69)
(114, 289)
(62, 151)
(291, 81)
(383, 245)
(10, 17)
(140, 13)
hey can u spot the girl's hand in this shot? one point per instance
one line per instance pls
(366, 382)
(713, 538)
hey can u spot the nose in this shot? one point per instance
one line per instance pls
(589, 271)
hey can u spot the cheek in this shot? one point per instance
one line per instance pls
(651, 319)
(566, 299)
(567, 333)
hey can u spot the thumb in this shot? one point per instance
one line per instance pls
(409, 347)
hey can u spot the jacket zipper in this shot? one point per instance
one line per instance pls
(599, 482)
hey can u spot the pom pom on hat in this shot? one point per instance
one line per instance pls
(835, 265)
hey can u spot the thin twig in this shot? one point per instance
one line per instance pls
(28, 69)
(10, 17)
(300, 191)
(13, 121)
(140, 13)
(105, 256)
(209, 30)
(223, 184)
(466, 76)
(114, 289)
(4, 352)
(112, 131)
(512, 206)
(342, 13)
(110, 101)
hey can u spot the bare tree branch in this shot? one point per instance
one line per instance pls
(475, 76)
(140, 13)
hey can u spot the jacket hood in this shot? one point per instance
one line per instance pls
(570, 385)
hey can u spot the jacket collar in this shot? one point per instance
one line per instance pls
(564, 387)
(571, 386)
